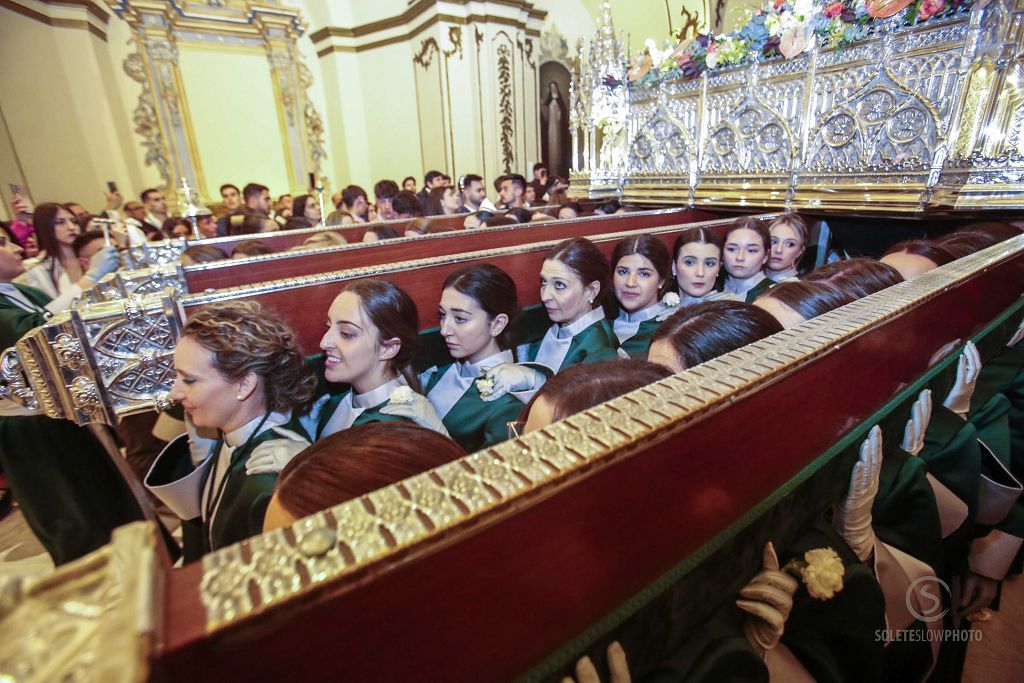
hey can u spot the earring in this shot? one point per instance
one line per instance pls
(238, 397)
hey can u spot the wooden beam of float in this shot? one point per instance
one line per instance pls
(287, 264)
(115, 358)
(511, 561)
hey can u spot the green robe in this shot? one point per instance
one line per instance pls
(594, 343)
(15, 321)
(759, 289)
(368, 415)
(243, 497)
(474, 423)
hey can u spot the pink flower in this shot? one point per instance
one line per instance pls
(683, 59)
(929, 8)
(833, 10)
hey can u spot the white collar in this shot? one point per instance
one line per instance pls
(780, 275)
(459, 378)
(237, 437)
(643, 315)
(583, 322)
(738, 286)
(375, 397)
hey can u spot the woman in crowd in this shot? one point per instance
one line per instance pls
(573, 279)
(746, 251)
(341, 467)
(570, 210)
(57, 272)
(794, 302)
(409, 183)
(696, 334)
(418, 227)
(322, 240)
(176, 226)
(240, 374)
(202, 253)
(788, 244)
(380, 232)
(641, 268)
(858, 277)
(916, 257)
(478, 305)
(443, 201)
(696, 264)
(252, 248)
(305, 213)
(369, 348)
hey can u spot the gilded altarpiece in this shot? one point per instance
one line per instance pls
(162, 116)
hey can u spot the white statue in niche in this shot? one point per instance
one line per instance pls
(554, 116)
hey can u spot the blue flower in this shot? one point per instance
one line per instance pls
(754, 32)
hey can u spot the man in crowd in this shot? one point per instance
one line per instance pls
(353, 209)
(139, 229)
(407, 205)
(156, 207)
(257, 205)
(205, 222)
(511, 190)
(473, 192)
(431, 180)
(385, 192)
(231, 198)
(540, 183)
(86, 245)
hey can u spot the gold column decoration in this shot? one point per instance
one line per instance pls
(147, 125)
(424, 58)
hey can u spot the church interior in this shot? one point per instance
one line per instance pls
(588, 341)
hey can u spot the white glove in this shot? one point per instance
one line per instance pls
(102, 262)
(852, 516)
(1018, 336)
(419, 410)
(508, 377)
(920, 415)
(270, 457)
(199, 446)
(768, 598)
(967, 370)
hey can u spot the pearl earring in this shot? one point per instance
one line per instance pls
(238, 397)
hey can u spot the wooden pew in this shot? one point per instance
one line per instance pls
(285, 239)
(221, 274)
(513, 561)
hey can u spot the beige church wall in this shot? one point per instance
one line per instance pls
(67, 138)
(235, 117)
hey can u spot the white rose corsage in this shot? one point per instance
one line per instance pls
(485, 386)
(401, 395)
(821, 570)
(671, 299)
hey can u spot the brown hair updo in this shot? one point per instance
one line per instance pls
(748, 223)
(858, 277)
(706, 330)
(652, 249)
(493, 289)
(580, 256)
(700, 236)
(394, 314)
(245, 337)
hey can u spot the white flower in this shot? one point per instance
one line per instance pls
(823, 574)
(670, 299)
(485, 386)
(657, 56)
(402, 394)
(805, 8)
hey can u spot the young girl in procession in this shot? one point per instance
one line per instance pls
(240, 375)
(746, 253)
(369, 347)
(642, 269)
(573, 279)
(476, 309)
(788, 243)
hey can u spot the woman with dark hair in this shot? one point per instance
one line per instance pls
(641, 268)
(696, 334)
(916, 257)
(857, 277)
(573, 279)
(794, 302)
(696, 263)
(202, 253)
(788, 243)
(569, 210)
(443, 201)
(409, 183)
(240, 374)
(248, 248)
(305, 213)
(341, 467)
(57, 271)
(478, 305)
(581, 387)
(746, 252)
(965, 242)
(175, 227)
(369, 348)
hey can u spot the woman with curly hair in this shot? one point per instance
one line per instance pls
(240, 376)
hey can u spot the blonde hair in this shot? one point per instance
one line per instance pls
(245, 337)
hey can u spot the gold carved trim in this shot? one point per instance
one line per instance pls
(239, 583)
